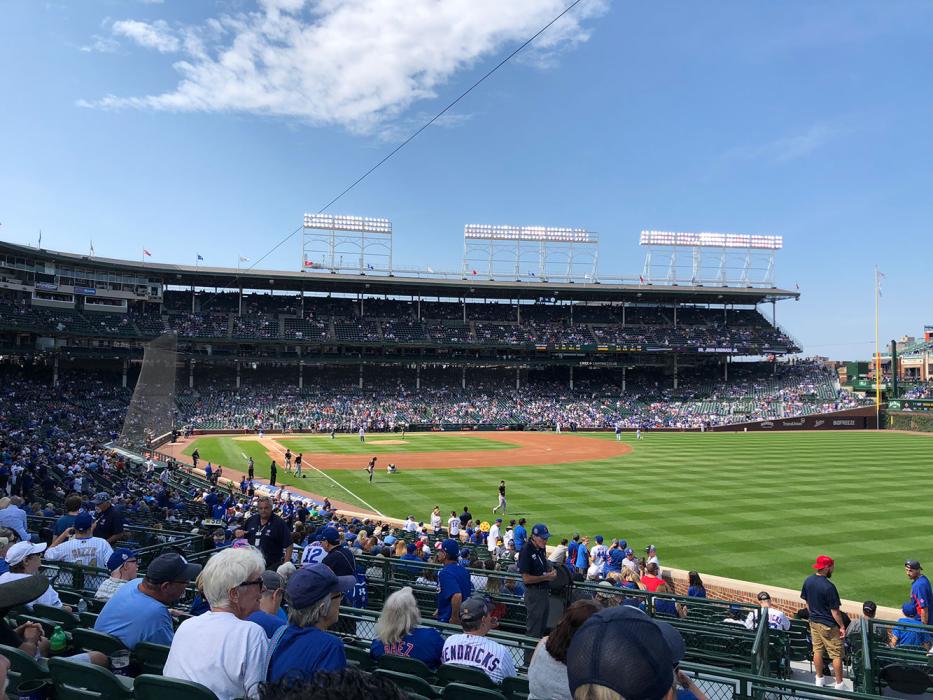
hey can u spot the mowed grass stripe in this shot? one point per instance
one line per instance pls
(387, 443)
(747, 505)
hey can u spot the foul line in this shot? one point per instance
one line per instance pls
(279, 450)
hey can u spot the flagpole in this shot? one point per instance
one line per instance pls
(877, 359)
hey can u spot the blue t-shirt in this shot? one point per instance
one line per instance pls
(303, 651)
(665, 607)
(696, 592)
(583, 557)
(616, 557)
(907, 633)
(921, 594)
(4, 566)
(423, 643)
(62, 524)
(269, 623)
(133, 617)
(451, 579)
(521, 536)
(822, 598)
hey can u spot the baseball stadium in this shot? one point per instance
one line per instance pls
(404, 412)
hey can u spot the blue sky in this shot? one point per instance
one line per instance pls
(210, 127)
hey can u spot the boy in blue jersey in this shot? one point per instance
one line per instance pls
(908, 633)
(454, 584)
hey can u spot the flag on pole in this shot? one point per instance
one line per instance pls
(40, 239)
(147, 253)
(430, 271)
(474, 272)
(91, 252)
(200, 257)
(641, 279)
(243, 258)
(880, 279)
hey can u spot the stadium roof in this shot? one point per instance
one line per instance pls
(394, 285)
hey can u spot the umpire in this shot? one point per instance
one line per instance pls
(537, 574)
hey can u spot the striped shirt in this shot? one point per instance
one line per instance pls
(479, 652)
(89, 551)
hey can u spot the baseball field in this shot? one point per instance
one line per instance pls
(753, 506)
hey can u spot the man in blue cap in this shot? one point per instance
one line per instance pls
(454, 584)
(537, 575)
(123, 567)
(920, 592)
(302, 648)
(83, 548)
(339, 557)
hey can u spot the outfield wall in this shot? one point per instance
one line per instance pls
(861, 418)
(920, 422)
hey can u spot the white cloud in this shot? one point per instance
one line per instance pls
(156, 35)
(790, 147)
(101, 44)
(356, 63)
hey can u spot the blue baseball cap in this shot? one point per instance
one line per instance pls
(312, 582)
(120, 556)
(410, 548)
(330, 534)
(451, 548)
(623, 544)
(540, 530)
(498, 520)
(83, 521)
(909, 609)
(629, 551)
(599, 539)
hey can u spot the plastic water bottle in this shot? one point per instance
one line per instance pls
(82, 606)
(58, 641)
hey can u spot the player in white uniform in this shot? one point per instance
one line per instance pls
(84, 549)
(313, 554)
(473, 648)
(362, 434)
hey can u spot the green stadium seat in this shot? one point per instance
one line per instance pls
(48, 626)
(156, 687)
(76, 680)
(462, 691)
(150, 658)
(453, 673)
(66, 619)
(358, 657)
(516, 688)
(403, 664)
(409, 682)
(92, 640)
(23, 668)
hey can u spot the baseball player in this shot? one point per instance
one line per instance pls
(501, 499)
(618, 432)
(362, 434)
(371, 468)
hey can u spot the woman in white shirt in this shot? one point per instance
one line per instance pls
(221, 649)
(547, 672)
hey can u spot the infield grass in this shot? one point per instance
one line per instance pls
(752, 506)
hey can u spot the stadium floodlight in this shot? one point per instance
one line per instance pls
(546, 234)
(711, 240)
(343, 222)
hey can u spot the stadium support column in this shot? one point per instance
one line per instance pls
(774, 313)
(623, 376)
(518, 378)
(240, 305)
(623, 314)
(55, 371)
(238, 375)
(301, 375)
(191, 374)
(675, 315)
(126, 365)
(571, 377)
(675, 370)
(463, 377)
(725, 368)
(418, 370)
(361, 375)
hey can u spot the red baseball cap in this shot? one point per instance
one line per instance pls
(823, 561)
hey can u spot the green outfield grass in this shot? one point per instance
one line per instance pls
(752, 506)
(386, 443)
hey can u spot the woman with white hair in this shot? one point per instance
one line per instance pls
(221, 649)
(398, 632)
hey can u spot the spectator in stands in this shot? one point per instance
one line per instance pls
(269, 532)
(270, 615)
(24, 559)
(559, 555)
(109, 522)
(83, 548)
(666, 606)
(7, 539)
(13, 517)
(73, 504)
(221, 649)
(695, 588)
(826, 625)
(652, 578)
(547, 672)
(908, 633)
(339, 558)
(537, 574)
(473, 648)
(777, 620)
(651, 554)
(123, 567)
(399, 631)
(328, 685)
(138, 610)
(454, 584)
(303, 647)
(631, 562)
(854, 630)
(920, 592)
(622, 653)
